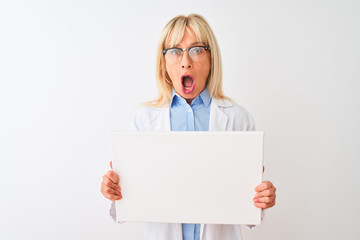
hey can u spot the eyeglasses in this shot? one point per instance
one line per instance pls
(196, 53)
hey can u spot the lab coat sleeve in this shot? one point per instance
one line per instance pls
(112, 212)
(251, 123)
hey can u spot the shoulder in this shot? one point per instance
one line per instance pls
(232, 108)
(149, 112)
(145, 115)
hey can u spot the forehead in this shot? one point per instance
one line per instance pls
(178, 36)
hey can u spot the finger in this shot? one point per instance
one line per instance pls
(112, 197)
(113, 176)
(110, 193)
(263, 186)
(108, 190)
(264, 205)
(264, 199)
(109, 183)
(266, 193)
(111, 165)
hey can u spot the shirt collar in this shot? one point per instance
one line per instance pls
(203, 97)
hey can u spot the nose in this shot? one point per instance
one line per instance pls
(186, 60)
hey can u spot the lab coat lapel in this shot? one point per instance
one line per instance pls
(218, 119)
(178, 230)
(201, 230)
(166, 120)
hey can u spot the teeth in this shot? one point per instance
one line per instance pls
(187, 88)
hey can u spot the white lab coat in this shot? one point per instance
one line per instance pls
(224, 116)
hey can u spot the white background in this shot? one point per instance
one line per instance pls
(70, 71)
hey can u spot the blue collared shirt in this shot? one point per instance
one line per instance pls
(193, 117)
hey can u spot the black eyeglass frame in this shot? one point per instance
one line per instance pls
(187, 49)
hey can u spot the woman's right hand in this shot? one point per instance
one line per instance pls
(110, 186)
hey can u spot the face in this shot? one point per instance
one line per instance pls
(189, 77)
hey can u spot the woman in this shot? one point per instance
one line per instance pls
(189, 78)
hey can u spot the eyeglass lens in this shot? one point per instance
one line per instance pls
(175, 55)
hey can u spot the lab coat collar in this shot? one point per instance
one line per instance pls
(222, 103)
(218, 119)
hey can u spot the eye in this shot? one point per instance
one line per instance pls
(196, 50)
(174, 51)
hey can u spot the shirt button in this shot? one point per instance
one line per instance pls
(189, 111)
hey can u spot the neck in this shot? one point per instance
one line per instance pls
(189, 100)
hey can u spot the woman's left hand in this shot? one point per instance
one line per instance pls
(265, 195)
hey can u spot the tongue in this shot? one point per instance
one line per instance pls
(188, 81)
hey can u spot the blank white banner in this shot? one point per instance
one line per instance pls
(188, 177)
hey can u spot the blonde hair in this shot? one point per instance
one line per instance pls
(176, 28)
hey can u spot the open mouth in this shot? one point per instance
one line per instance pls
(187, 83)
